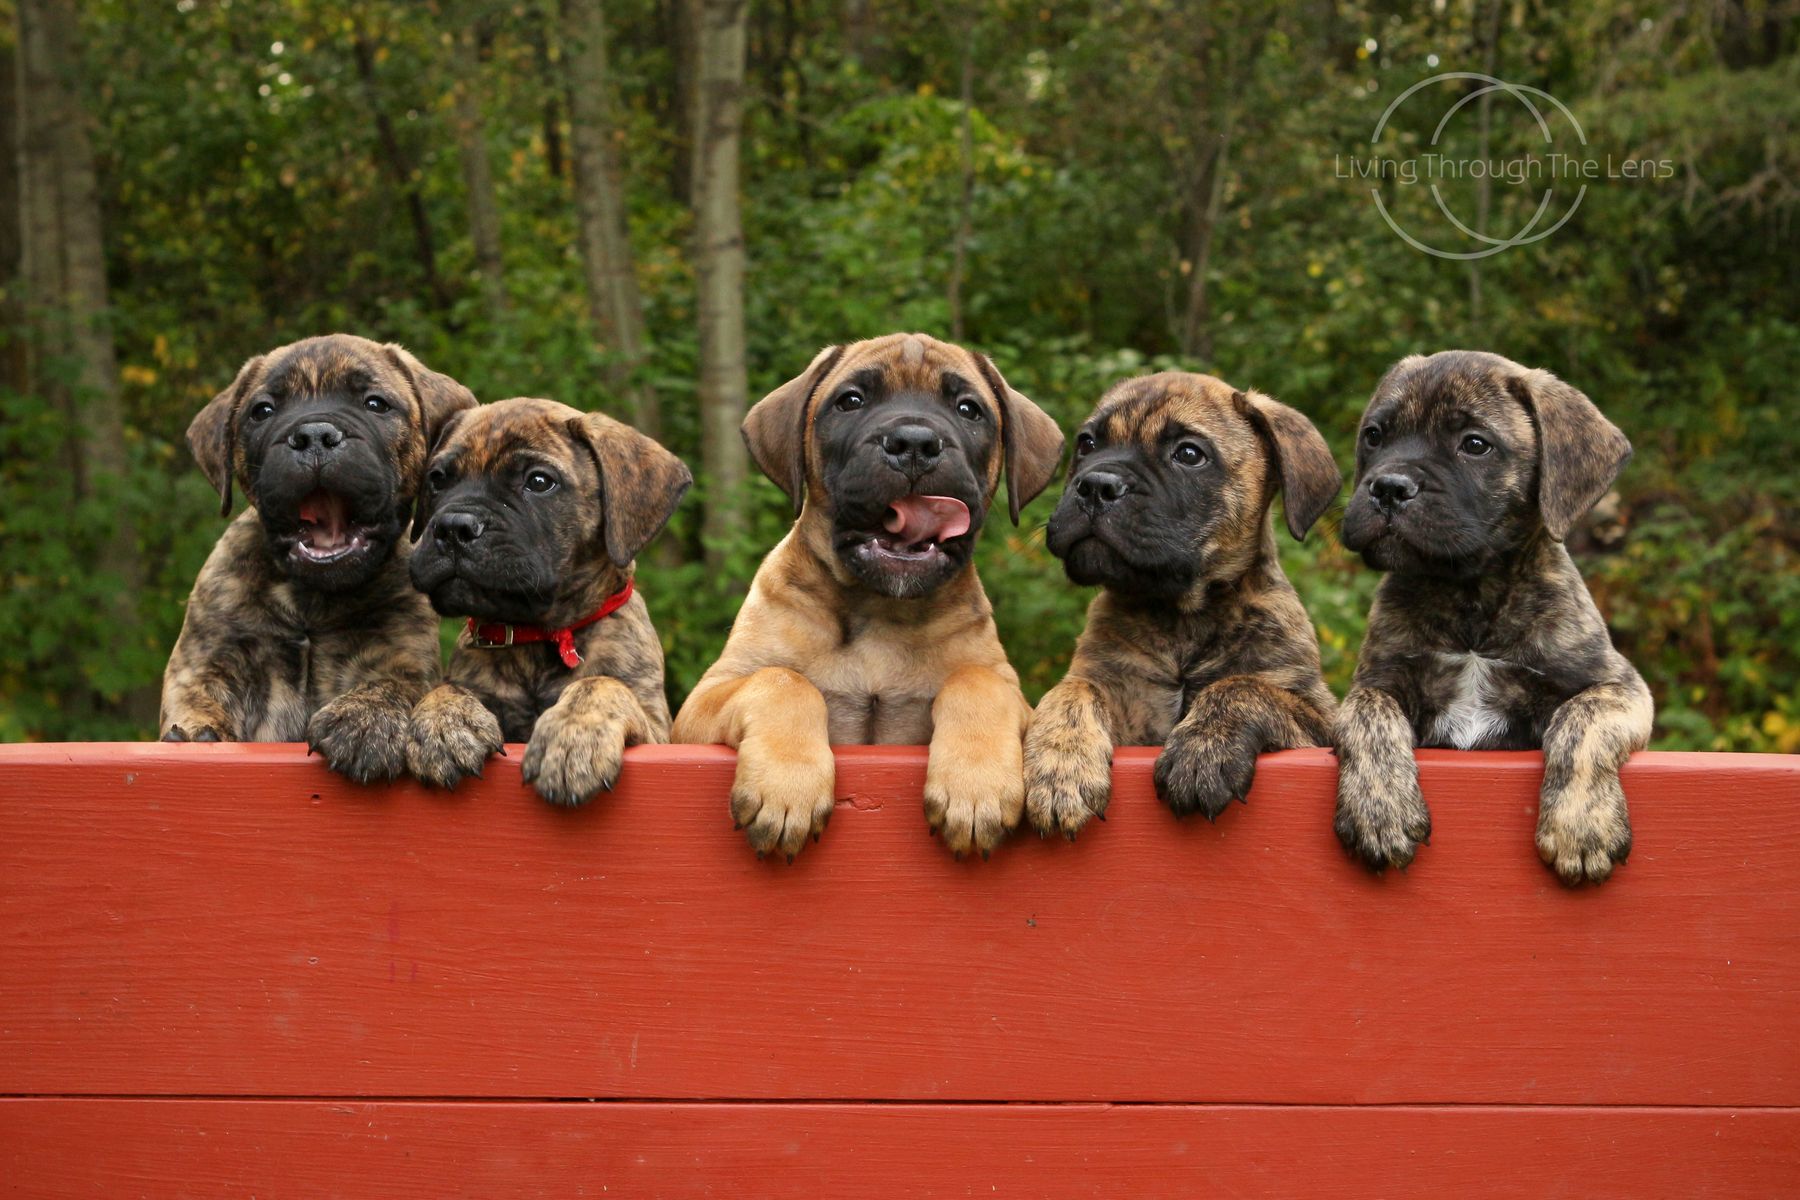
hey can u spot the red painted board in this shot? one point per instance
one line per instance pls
(51, 1149)
(229, 920)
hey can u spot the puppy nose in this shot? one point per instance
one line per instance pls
(918, 444)
(1392, 490)
(457, 527)
(1101, 488)
(321, 435)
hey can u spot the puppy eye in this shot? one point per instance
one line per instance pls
(377, 404)
(1371, 437)
(849, 402)
(968, 409)
(541, 482)
(1476, 445)
(1084, 445)
(436, 478)
(1189, 455)
(262, 410)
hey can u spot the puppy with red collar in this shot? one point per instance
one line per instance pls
(530, 517)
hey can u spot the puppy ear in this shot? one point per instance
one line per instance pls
(1580, 452)
(640, 482)
(1309, 474)
(774, 429)
(1032, 441)
(440, 397)
(212, 434)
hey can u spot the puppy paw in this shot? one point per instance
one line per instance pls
(1203, 769)
(1068, 779)
(570, 758)
(1584, 831)
(779, 798)
(450, 737)
(974, 799)
(1382, 822)
(361, 738)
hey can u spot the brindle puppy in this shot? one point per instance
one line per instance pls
(532, 515)
(1197, 642)
(1470, 471)
(866, 623)
(302, 621)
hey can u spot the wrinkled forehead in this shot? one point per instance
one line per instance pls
(323, 366)
(905, 362)
(1448, 394)
(502, 434)
(1151, 410)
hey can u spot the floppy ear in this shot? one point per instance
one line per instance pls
(774, 429)
(1032, 441)
(640, 482)
(1310, 478)
(212, 434)
(440, 397)
(1580, 452)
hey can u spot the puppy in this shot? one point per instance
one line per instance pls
(867, 623)
(1197, 641)
(532, 514)
(303, 621)
(1470, 471)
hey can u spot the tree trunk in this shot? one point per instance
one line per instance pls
(12, 223)
(615, 308)
(965, 211)
(1196, 323)
(63, 262)
(719, 268)
(1484, 135)
(478, 175)
(405, 177)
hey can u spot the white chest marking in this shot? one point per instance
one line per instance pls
(1468, 719)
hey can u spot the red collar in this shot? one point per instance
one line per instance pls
(496, 636)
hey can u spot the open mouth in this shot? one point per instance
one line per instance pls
(915, 529)
(327, 534)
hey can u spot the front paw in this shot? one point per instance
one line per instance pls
(1068, 780)
(1204, 769)
(569, 758)
(1382, 819)
(974, 798)
(1583, 832)
(451, 735)
(781, 796)
(361, 739)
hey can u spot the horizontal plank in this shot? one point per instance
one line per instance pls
(232, 920)
(164, 1148)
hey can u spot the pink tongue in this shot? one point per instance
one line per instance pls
(916, 519)
(325, 512)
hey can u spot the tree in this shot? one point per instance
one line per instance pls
(478, 175)
(62, 256)
(719, 266)
(615, 308)
(400, 166)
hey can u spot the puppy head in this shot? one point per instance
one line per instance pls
(1172, 481)
(328, 438)
(1464, 456)
(531, 508)
(892, 450)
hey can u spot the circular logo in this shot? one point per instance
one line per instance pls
(1489, 246)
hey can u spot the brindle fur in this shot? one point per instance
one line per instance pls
(264, 657)
(619, 490)
(1483, 636)
(1225, 670)
(817, 657)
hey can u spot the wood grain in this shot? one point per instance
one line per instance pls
(50, 1149)
(236, 920)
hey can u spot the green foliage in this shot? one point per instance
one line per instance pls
(249, 200)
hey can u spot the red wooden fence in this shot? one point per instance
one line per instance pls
(224, 971)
